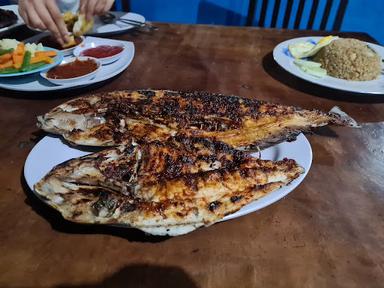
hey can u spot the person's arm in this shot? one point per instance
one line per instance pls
(94, 7)
(44, 15)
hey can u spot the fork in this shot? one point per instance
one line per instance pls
(109, 18)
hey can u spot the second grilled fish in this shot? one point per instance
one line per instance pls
(167, 188)
(117, 117)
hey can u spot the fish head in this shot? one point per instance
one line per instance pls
(59, 122)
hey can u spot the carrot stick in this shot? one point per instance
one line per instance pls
(18, 55)
(7, 64)
(45, 59)
(50, 53)
(5, 58)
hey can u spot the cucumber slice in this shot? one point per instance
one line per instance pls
(310, 67)
(306, 63)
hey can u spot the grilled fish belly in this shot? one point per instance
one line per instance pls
(167, 188)
(118, 117)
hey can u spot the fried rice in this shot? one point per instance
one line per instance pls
(349, 59)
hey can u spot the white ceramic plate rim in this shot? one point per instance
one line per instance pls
(286, 62)
(15, 9)
(128, 51)
(51, 151)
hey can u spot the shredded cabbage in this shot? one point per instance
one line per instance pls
(33, 47)
(8, 44)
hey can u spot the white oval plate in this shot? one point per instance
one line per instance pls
(79, 79)
(35, 83)
(92, 44)
(101, 29)
(51, 151)
(285, 60)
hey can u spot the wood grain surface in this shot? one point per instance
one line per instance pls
(329, 232)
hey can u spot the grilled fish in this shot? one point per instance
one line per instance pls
(162, 188)
(113, 118)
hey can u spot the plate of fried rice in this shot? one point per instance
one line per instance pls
(341, 63)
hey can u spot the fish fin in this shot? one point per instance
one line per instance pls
(343, 118)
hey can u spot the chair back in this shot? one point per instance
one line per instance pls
(287, 13)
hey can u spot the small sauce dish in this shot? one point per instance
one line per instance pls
(105, 52)
(73, 70)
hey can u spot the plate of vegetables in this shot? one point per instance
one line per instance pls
(18, 58)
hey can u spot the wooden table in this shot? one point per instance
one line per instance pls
(329, 232)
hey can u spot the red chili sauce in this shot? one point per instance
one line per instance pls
(73, 69)
(102, 51)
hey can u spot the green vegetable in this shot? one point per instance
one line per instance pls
(310, 67)
(26, 61)
(27, 67)
(306, 63)
(9, 70)
(5, 51)
(299, 49)
(34, 66)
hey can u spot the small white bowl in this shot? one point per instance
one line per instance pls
(83, 78)
(106, 60)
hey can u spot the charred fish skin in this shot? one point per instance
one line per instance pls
(113, 118)
(136, 186)
(127, 166)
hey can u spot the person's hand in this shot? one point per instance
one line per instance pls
(44, 15)
(91, 8)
